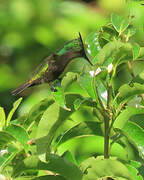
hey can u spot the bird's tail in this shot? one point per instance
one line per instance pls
(22, 88)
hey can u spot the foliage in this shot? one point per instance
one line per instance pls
(92, 127)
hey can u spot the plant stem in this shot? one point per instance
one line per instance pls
(106, 138)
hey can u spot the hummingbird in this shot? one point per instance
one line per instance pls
(53, 65)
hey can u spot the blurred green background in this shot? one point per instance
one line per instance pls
(32, 29)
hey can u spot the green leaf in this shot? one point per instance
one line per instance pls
(126, 92)
(134, 172)
(129, 114)
(109, 49)
(51, 121)
(136, 51)
(60, 98)
(137, 67)
(85, 102)
(76, 65)
(136, 134)
(120, 23)
(48, 120)
(82, 147)
(55, 163)
(15, 106)
(83, 128)
(7, 155)
(20, 134)
(2, 118)
(87, 83)
(37, 111)
(49, 177)
(92, 43)
(5, 138)
(70, 85)
(99, 168)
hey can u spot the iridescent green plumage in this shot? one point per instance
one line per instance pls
(54, 65)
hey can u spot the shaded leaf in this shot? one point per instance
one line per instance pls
(6, 156)
(5, 138)
(55, 163)
(86, 102)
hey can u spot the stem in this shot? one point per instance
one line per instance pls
(106, 138)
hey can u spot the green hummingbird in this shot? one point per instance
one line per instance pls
(53, 65)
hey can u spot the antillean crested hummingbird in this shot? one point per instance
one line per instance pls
(53, 65)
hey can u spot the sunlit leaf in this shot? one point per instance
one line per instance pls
(48, 177)
(83, 147)
(99, 168)
(120, 23)
(126, 91)
(134, 172)
(19, 133)
(15, 106)
(136, 51)
(129, 114)
(136, 134)
(2, 118)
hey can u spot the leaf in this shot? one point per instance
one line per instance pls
(137, 67)
(55, 163)
(5, 138)
(37, 111)
(134, 172)
(15, 106)
(51, 121)
(92, 43)
(2, 118)
(20, 134)
(60, 98)
(49, 177)
(126, 92)
(85, 102)
(6, 156)
(120, 23)
(129, 114)
(49, 118)
(99, 168)
(109, 49)
(136, 51)
(87, 83)
(85, 146)
(83, 128)
(136, 134)
(70, 85)
(77, 65)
